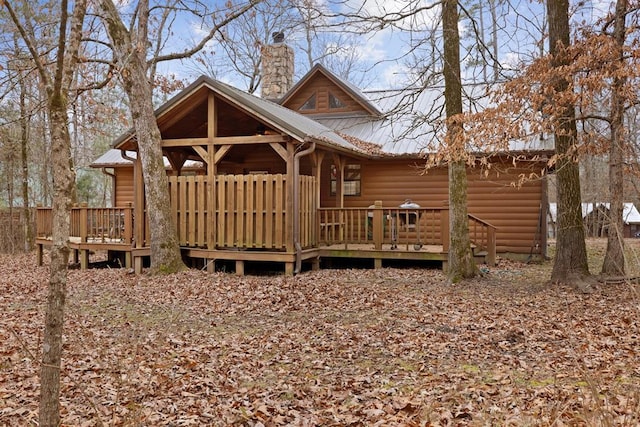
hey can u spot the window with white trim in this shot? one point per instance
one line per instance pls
(351, 183)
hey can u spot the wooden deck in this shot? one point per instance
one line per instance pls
(375, 233)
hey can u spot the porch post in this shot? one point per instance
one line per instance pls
(339, 163)
(377, 224)
(84, 226)
(318, 157)
(211, 197)
(212, 130)
(289, 201)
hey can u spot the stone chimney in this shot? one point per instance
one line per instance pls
(277, 68)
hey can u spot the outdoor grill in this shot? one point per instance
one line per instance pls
(408, 220)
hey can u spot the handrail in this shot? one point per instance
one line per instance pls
(399, 228)
(94, 225)
(383, 228)
(485, 239)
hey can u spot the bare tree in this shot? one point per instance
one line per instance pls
(570, 263)
(24, 142)
(131, 48)
(57, 83)
(461, 264)
(613, 264)
(237, 48)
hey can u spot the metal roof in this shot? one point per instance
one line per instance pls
(113, 158)
(630, 214)
(413, 120)
(406, 121)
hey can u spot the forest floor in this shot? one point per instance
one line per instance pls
(332, 347)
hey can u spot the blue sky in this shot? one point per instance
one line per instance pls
(382, 52)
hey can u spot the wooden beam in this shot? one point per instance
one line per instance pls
(184, 142)
(282, 152)
(340, 164)
(176, 160)
(290, 187)
(202, 153)
(223, 140)
(251, 139)
(317, 157)
(212, 118)
(220, 153)
(178, 111)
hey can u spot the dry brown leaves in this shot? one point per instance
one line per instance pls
(342, 347)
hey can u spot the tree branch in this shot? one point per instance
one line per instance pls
(190, 52)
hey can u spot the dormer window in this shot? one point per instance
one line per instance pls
(310, 104)
(335, 102)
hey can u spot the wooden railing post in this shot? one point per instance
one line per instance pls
(39, 221)
(491, 246)
(377, 224)
(128, 223)
(84, 222)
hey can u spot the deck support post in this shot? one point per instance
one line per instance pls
(239, 267)
(39, 254)
(211, 265)
(289, 268)
(84, 259)
(315, 264)
(137, 264)
(377, 263)
(127, 259)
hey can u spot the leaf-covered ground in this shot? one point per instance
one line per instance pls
(334, 347)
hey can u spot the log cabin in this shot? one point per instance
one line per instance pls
(312, 171)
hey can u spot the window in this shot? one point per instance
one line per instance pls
(335, 102)
(351, 184)
(310, 104)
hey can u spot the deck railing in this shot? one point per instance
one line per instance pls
(399, 228)
(91, 225)
(246, 220)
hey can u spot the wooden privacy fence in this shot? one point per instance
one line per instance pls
(250, 211)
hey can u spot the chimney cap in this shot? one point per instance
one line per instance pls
(278, 36)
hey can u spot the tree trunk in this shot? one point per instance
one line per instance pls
(24, 141)
(613, 264)
(570, 264)
(130, 56)
(63, 181)
(461, 264)
(165, 248)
